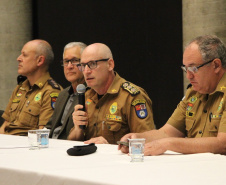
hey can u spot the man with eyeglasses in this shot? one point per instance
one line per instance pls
(114, 106)
(61, 122)
(198, 124)
(32, 101)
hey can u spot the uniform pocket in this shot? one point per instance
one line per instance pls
(13, 107)
(13, 111)
(29, 116)
(189, 125)
(113, 126)
(112, 131)
(214, 125)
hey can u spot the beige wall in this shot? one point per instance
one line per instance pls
(201, 17)
(15, 30)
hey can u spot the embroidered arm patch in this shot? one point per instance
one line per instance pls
(53, 99)
(140, 108)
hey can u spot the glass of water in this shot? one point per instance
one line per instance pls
(38, 139)
(136, 149)
(33, 139)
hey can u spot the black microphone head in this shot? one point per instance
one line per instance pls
(81, 88)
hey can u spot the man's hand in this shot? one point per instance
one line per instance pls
(2, 128)
(125, 149)
(97, 140)
(156, 147)
(79, 117)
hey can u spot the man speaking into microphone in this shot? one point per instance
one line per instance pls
(113, 106)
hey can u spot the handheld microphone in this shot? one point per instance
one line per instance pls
(81, 99)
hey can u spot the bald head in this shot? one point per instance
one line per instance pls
(43, 48)
(97, 51)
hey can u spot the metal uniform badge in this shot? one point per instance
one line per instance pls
(53, 99)
(140, 108)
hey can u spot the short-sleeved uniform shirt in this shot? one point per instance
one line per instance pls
(123, 109)
(201, 115)
(31, 107)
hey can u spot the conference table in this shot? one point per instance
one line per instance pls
(53, 166)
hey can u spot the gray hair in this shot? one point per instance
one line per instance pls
(74, 44)
(211, 47)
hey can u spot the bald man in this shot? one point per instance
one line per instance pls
(114, 106)
(32, 101)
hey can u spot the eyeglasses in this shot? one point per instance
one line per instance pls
(73, 61)
(92, 64)
(194, 69)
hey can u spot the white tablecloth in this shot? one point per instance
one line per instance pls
(53, 166)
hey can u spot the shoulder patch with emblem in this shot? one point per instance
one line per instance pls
(53, 84)
(130, 88)
(53, 99)
(140, 108)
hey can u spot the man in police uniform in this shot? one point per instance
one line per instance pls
(61, 122)
(198, 124)
(114, 106)
(32, 101)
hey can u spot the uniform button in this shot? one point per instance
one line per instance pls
(97, 107)
(205, 111)
(200, 132)
(25, 96)
(109, 127)
(95, 124)
(29, 110)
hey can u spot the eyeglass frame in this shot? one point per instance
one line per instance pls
(194, 67)
(83, 65)
(72, 63)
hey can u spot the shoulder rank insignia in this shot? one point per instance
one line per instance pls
(130, 88)
(53, 84)
(140, 108)
(53, 99)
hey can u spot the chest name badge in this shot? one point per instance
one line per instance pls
(140, 108)
(113, 108)
(38, 96)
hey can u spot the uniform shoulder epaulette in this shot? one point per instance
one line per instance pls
(189, 85)
(53, 84)
(130, 88)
